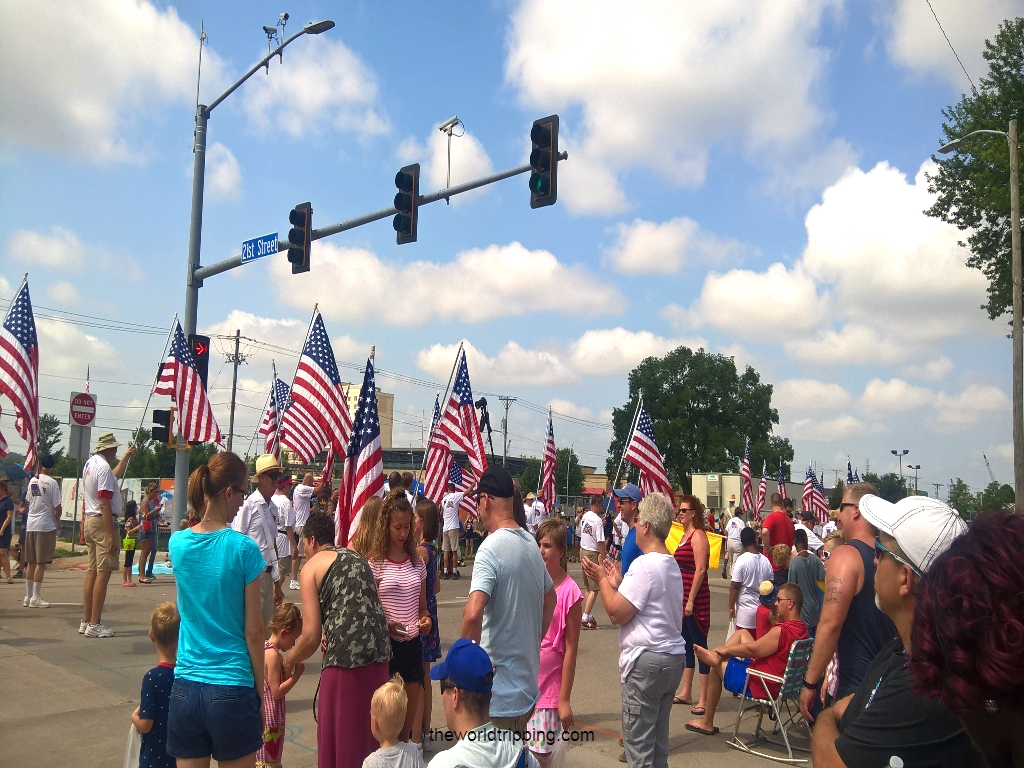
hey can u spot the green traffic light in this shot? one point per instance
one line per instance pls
(540, 185)
(402, 224)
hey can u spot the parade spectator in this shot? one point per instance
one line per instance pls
(301, 497)
(558, 649)
(769, 653)
(646, 604)
(628, 498)
(363, 539)
(692, 556)
(777, 529)
(735, 546)
(511, 601)
(102, 510)
(132, 527)
(592, 547)
(967, 635)
(750, 570)
(781, 554)
(407, 482)
(285, 627)
(425, 528)
(831, 526)
(257, 521)
(884, 717)
(6, 527)
(851, 625)
(39, 533)
(466, 677)
(450, 531)
(284, 515)
(215, 700)
(401, 578)
(533, 508)
(388, 709)
(147, 538)
(518, 508)
(806, 570)
(620, 529)
(19, 551)
(806, 524)
(765, 617)
(150, 717)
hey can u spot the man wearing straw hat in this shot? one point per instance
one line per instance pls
(102, 510)
(257, 521)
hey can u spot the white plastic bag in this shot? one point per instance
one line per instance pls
(731, 630)
(133, 748)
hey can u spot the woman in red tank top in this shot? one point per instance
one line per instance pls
(692, 557)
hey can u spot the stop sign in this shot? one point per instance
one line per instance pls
(83, 409)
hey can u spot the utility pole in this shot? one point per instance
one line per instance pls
(507, 402)
(234, 359)
(1018, 311)
(937, 486)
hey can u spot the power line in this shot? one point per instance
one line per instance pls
(951, 45)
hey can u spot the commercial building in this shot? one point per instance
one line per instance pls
(714, 489)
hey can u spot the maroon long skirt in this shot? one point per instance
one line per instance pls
(343, 737)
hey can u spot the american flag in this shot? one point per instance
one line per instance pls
(548, 492)
(762, 490)
(458, 422)
(746, 492)
(327, 476)
(782, 480)
(364, 463)
(849, 472)
(856, 476)
(179, 378)
(463, 481)
(643, 452)
(818, 501)
(19, 369)
(3, 442)
(280, 399)
(810, 488)
(439, 458)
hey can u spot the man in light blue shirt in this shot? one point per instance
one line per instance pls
(511, 601)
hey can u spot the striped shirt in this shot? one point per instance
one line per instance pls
(398, 586)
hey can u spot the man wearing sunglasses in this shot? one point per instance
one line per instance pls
(884, 717)
(257, 521)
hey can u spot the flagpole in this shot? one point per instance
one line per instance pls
(443, 404)
(280, 412)
(629, 437)
(273, 391)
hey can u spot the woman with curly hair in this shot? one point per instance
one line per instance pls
(968, 635)
(401, 578)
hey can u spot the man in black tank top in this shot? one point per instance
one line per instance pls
(850, 622)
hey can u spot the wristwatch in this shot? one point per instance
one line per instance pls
(812, 686)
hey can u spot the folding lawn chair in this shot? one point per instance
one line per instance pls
(791, 685)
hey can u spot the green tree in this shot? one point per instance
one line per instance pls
(568, 465)
(703, 410)
(961, 499)
(890, 485)
(50, 434)
(972, 184)
(836, 498)
(530, 479)
(996, 496)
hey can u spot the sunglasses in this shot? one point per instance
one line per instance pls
(446, 685)
(848, 504)
(881, 549)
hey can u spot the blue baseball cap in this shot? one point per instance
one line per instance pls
(467, 665)
(629, 491)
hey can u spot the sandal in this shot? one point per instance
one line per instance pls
(698, 711)
(128, 584)
(680, 700)
(701, 731)
(145, 581)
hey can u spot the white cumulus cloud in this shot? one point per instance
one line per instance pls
(469, 160)
(63, 293)
(223, 175)
(646, 246)
(62, 250)
(955, 413)
(881, 398)
(801, 395)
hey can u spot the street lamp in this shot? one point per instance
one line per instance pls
(894, 452)
(195, 236)
(914, 467)
(1015, 264)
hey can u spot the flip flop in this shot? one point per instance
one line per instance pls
(701, 731)
(145, 581)
(698, 711)
(680, 700)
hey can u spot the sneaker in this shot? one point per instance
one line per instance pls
(38, 602)
(455, 575)
(99, 630)
(82, 627)
(622, 757)
(294, 584)
(589, 624)
(25, 601)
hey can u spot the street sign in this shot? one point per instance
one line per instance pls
(83, 409)
(259, 247)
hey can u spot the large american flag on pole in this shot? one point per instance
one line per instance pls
(642, 452)
(810, 488)
(762, 491)
(458, 422)
(463, 481)
(439, 458)
(179, 378)
(782, 481)
(548, 492)
(19, 370)
(318, 415)
(819, 500)
(280, 399)
(746, 492)
(364, 465)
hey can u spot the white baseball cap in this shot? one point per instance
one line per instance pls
(923, 527)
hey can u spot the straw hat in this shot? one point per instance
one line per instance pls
(105, 442)
(266, 463)
(531, 496)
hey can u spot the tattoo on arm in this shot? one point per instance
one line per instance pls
(833, 590)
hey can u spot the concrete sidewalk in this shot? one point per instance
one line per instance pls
(68, 698)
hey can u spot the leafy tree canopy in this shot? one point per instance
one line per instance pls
(703, 410)
(836, 497)
(890, 485)
(961, 499)
(996, 496)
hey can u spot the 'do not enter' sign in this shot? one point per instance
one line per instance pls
(83, 409)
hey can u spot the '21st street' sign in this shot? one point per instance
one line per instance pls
(259, 247)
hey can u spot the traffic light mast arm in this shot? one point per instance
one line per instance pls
(333, 229)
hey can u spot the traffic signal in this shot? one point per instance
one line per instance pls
(407, 202)
(544, 162)
(301, 219)
(163, 431)
(200, 347)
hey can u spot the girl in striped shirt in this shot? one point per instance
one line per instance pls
(401, 576)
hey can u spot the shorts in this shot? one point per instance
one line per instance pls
(407, 659)
(589, 585)
(544, 729)
(736, 675)
(38, 546)
(218, 720)
(450, 540)
(298, 542)
(284, 568)
(5, 537)
(142, 535)
(104, 550)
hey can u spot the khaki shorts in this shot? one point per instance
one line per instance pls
(284, 568)
(38, 547)
(300, 550)
(589, 584)
(450, 540)
(104, 551)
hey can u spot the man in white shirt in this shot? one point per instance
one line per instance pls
(257, 521)
(732, 530)
(300, 504)
(450, 531)
(592, 547)
(814, 543)
(102, 510)
(830, 526)
(284, 514)
(39, 539)
(750, 570)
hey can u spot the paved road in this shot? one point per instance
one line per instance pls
(67, 699)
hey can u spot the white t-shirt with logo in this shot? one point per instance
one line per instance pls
(97, 476)
(592, 532)
(750, 570)
(450, 509)
(733, 528)
(655, 588)
(43, 498)
(619, 530)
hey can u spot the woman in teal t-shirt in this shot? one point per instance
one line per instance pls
(215, 707)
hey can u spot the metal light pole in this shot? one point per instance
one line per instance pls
(195, 236)
(914, 467)
(901, 454)
(1018, 345)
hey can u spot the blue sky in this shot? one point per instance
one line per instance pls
(745, 178)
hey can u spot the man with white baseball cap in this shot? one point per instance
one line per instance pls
(884, 717)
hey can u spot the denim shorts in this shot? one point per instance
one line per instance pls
(219, 720)
(143, 535)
